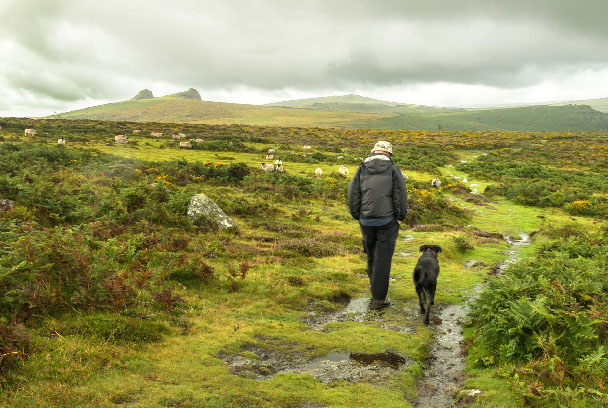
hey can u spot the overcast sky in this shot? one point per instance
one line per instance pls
(59, 55)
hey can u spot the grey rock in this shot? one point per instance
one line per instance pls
(143, 94)
(6, 205)
(202, 207)
(189, 94)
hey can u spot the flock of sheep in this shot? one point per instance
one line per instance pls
(278, 165)
(267, 167)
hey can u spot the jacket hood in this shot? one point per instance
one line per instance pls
(377, 163)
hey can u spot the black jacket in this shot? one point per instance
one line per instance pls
(377, 190)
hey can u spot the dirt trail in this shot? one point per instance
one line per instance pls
(444, 374)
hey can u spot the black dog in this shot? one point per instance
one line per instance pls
(425, 278)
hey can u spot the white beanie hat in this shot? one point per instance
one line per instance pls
(384, 146)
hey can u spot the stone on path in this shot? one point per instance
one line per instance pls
(203, 209)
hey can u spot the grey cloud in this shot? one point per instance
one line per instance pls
(91, 49)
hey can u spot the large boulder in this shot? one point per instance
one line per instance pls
(203, 211)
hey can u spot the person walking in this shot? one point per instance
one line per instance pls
(377, 197)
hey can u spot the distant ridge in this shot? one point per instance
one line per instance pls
(600, 104)
(143, 94)
(357, 103)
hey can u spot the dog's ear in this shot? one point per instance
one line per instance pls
(437, 248)
(424, 248)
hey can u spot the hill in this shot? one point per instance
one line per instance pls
(356, 103)
(600, 104)
(177, 108)
(349, 111)
(530, 118)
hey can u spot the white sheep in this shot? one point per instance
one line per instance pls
(268, 167)
(465, 180)
(156, 134)
(318, 172)
(436, 183)
(343, 170)
(306, 147)
(121, 139)
(61, 142)
(270, 151)
(185, 145)
(29, 132)
(269, 156)
(136, 131)
(279, 168)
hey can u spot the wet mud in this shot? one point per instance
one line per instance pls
(444, 374)
(261, 363)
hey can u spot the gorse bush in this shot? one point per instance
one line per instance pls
(432, 207)
(551, 315)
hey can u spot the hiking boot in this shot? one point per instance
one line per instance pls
(380, 303)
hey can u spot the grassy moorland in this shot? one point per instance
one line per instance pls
(349, 112)
(110, 296)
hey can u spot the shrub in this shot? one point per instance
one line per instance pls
(550, 317)
(463, 243)
(14, 345)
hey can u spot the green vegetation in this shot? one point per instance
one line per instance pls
(545, 322)
(110, 295)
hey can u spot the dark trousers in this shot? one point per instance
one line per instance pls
(379, 243)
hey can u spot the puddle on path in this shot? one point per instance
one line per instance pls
(444, 373)
(408, 238)
(260, 363)
(356, 310)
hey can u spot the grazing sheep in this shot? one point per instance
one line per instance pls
(278, 162)
(343, 170)
(176, 136)
(270, 151)
(340, 157)
(306, 147)
(279, 168)
(185, 145)
(465, 180)
(318, 172)
(61, 142)
(269, 156)
(121, 139)
(136, 131)
(156, 134)
(436, 183)
(29, 132)
(199, 140)
(268, 167)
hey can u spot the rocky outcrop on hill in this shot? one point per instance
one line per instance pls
(143, 94)
(189, 94)
(204, 211)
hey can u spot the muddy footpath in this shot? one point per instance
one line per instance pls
(443, 374)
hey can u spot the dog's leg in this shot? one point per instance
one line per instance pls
(421, 297)
(430, 298)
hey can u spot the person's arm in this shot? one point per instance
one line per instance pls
(399, 195)
(354, 195)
